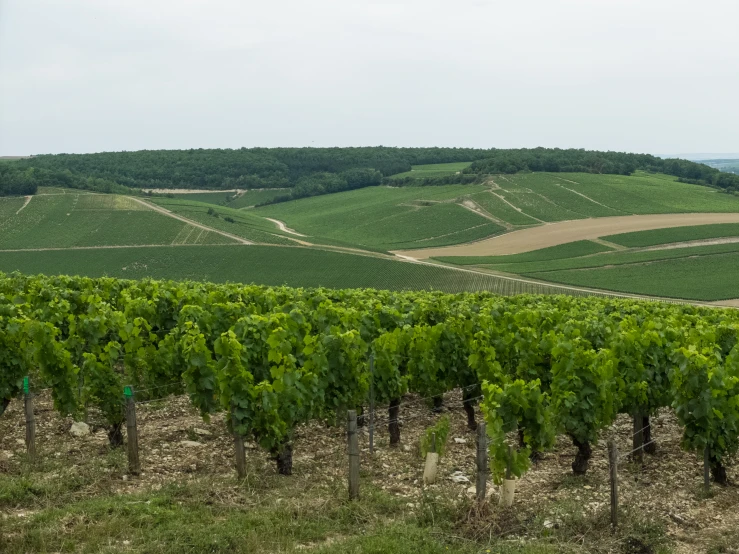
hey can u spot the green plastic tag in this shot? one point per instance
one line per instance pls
(25, 385)
(127, 392)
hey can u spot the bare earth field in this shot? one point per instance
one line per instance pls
(553, 509)
(562, 232)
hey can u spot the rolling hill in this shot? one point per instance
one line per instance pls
(573, 229)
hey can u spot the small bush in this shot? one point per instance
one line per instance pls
(441, 428)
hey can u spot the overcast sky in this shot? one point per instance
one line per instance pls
(658, 76)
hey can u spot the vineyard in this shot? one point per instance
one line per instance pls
(277, 357)
(267, 361)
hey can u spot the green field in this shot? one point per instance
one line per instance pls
(267, 265)
(215, 197)
(562, 196)
(231, 199)
(387, 218)
(696, 273)
(612, 258)
(383, 217)
(706, 277)
(675, 234)
(432, 170)
(68, 220)
(377, 219)
(496, 205)
(9, 205)
(254, 197)
(59, 190)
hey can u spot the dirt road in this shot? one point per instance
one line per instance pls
(28, 199)
(190, 221)
(563, 232)
(284, 228)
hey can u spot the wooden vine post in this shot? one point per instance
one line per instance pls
(613, 465)
(482, 462)
(638, 443)
(372, 404)
(353, 455)
(132, 433)
(30, 421)
(706, 470)
(239, 450)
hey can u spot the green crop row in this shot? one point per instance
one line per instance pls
(675, 234)
(705, 277)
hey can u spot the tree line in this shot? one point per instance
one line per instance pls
(16, 180)
(242, 168)
(313, 171)
(591, 161)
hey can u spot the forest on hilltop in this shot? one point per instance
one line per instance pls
(313, 171)
(585, 161)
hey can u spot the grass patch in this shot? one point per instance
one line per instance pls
(726, 543)
(561, 251)
(675, 234)
(565, 526)
(190, 518)
(220, 516)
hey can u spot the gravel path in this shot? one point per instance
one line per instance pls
(28, 199)
(284, 228)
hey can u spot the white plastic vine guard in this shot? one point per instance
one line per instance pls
(507, 492)
(431, 469)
